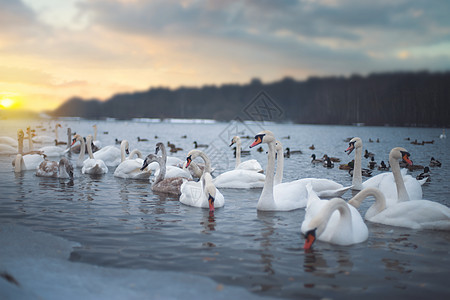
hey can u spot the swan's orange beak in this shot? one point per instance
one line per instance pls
(258, 140)
(73, 142)
(232, 143)
(211, 203)
(350, 148)
(310, 238)
(188, 161)
(406, 158)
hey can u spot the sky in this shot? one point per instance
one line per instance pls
(52, 50)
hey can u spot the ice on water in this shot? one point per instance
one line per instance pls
(40, 264)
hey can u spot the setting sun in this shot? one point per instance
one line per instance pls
(6, 103)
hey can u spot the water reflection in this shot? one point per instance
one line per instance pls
(209, 221)
(336, 262)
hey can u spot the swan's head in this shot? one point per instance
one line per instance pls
(210, 192)
(264, 136)
(58, 125)
(76, 138)
(193, 154)
(279, 147)
(310, 237)
(400, 153)
(148, 160)
(355, 142)
(313, 156)
(234, 140)
(159, 147)
(20, 134)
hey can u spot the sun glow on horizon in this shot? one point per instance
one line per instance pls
(6, 103)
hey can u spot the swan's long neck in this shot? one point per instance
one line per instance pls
(280, 166)
(89, 147)
(163, 151)
(207, 162)
(238, 152)
(162, 170)
(266, 200)
(376, 208)
(123, 146)
(69, 137)
(95, 133)
(82, 152)
(135, 152)
(20, 144)
(30, 141)
(357, 172)
(402, 194)
(320, 221)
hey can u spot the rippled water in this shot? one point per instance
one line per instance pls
(123, 224)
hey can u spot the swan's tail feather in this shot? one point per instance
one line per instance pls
(333, 193)
(422, 181)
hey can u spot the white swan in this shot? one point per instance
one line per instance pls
(61, 169)
(347, 228)
(6, 140)
(415, 214)
(96, 142)
(203, 193)
(110, 155)
(161, 184)
(290, 195)
(171, 170)
(27, 161)
(93, 165)
(46, 139)
(130, 168)
(251, 164)
(384, 181)
(410, 187)
(7, 149)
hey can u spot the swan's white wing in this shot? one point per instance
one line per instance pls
(415, 214)
(110, 155)
(53, 151)
(250, 165)
(240, 179)
(94, 166)
(131, 169)
(32, 161)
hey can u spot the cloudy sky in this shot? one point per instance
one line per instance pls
(51, 50)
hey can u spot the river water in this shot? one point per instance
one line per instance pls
(122, 224)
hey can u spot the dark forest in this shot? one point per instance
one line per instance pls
(383, 99)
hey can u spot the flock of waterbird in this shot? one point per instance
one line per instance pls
(329, 218)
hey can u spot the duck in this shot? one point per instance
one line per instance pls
(385, 181)
(347, 166)
(130, 168)
(333, 159)
(289, 195)
(197, 145)
(328, 163)
(92, 165)
(54, 169)
(289, 152)
(368, 154)
(383, 167)
(316, 160)
(142, 140)
(414, 214)
(175, 149)
(364, 172)
(161, 184)
(424, 174)
(249, 165)
(372, 163)
(203, 193)
(434, 162)
(118, 142)
(312, 147)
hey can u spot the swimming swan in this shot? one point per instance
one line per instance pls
(61, 169)
(251, 164)
(92, 165)
(130, 168)
(203, 193)
(415, 214)
(290, 195)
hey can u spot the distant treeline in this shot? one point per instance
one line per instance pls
(396, 99)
